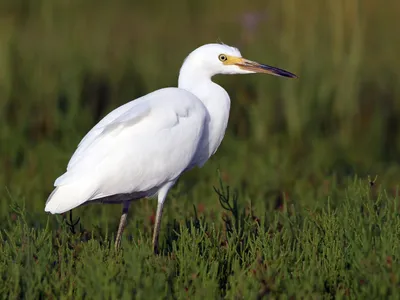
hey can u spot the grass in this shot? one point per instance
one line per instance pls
(348, 247)
(306, 222)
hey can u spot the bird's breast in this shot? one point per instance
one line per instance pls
(214, 130)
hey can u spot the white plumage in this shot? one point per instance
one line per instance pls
(125, 152)
(141, 148)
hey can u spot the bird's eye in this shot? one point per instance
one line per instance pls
(222, 57)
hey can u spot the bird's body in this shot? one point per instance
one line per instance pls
(116, 161)
(141, 148)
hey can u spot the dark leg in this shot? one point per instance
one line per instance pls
(122, 224)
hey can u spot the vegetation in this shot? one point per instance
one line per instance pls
(303, 218)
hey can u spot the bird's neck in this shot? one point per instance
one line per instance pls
(214, 98)
(197, 80)
(190, 77)
(199, 83)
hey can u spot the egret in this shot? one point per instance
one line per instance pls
(141, 148)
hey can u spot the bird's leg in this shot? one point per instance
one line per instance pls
(122, 224)
(157, 226)
(162, 194)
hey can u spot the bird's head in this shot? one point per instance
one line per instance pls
(215, 59)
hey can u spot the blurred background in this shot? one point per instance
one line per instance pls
(65, 64)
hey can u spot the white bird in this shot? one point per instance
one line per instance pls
(141, 148)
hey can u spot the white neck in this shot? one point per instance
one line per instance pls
(214, 97)
(197, 80)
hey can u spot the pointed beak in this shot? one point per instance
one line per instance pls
(256, 67)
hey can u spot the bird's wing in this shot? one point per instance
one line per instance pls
(137, 135)
(125, 115)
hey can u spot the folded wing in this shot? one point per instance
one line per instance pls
(135, 148)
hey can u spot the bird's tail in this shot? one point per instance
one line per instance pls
(67, 197)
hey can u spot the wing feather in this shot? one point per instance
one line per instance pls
(166, 119)
(130, 115)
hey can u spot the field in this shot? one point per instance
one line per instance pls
(301, 199)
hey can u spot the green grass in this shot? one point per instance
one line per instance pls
(348, 247)
(298, 152)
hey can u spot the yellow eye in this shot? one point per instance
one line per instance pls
(222, 57)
